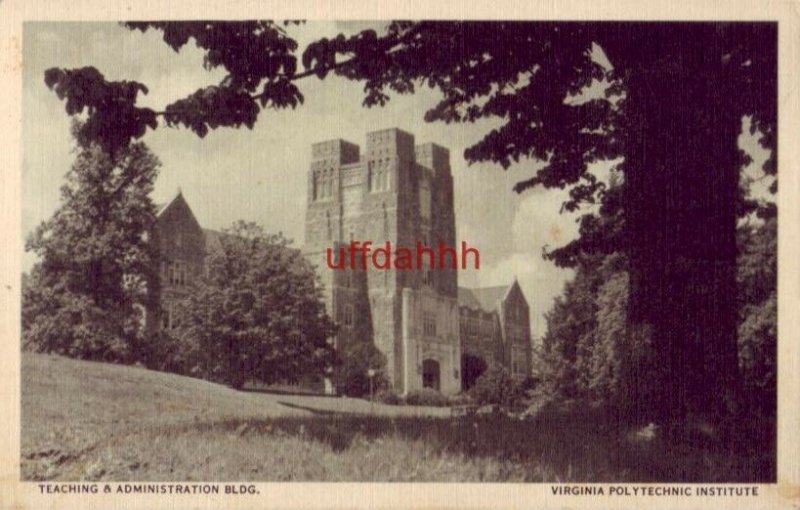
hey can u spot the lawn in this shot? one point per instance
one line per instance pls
(94, 421)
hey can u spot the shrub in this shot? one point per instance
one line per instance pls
(427, 397)
(460, 399)
(351, 377)
(166, 353)
(258, 315)
(496, 386)
(388, 397)
(530, 383)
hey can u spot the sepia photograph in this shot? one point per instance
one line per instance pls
(523, 251)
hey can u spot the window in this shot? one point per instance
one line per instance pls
(322, 185)
(425, 201)
(328, 219)
(174, 317)
(385, 222)
(165, 316)
(378, 176)
(429, 324)
(348, 316)
(517, 362)
(169, 319)
(177, 273)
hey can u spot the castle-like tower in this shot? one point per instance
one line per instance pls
(402, 193)
(433, 333)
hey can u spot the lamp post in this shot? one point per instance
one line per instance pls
(371, 375)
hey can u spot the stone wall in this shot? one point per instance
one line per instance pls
(376, 198)
(515, 322)
(181, 245)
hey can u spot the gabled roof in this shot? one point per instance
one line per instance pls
(467, 298)
(160, 208)
(489, 297)
(485, 298)
(213, 239)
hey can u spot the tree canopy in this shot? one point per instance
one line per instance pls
(257, 314)
(670, 108)
(85, 296)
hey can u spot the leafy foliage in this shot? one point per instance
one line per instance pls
(356, 359)
(624, 371)
(388, 397)
(427, 397)
(257, 55)
(113, 118)
(757, 285)
(540, 81)
(258, 313)
(591, 352)
(558, 104)
(570, 337)
(85, 295)
(496, 386)
(165, 352)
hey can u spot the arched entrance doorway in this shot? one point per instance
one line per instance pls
(430, 374)
(471, 368)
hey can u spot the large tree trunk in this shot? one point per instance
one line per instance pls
(681, 171)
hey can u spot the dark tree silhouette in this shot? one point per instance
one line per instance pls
(672, 107)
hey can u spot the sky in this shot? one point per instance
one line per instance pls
(260, 174)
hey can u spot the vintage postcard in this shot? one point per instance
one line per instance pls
(411, 256)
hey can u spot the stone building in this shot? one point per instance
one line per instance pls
(182, 246)
(495, 329)
(400, 192)
(432, 332)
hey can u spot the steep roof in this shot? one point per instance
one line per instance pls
(163, 206)
(485, 298)
(213, 239)
(466, 298)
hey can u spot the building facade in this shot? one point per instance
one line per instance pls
(181, 247)
(432, 332)
(402, 193)
(495, 329)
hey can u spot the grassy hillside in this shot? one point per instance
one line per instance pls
(94, 421)
(73, 409)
